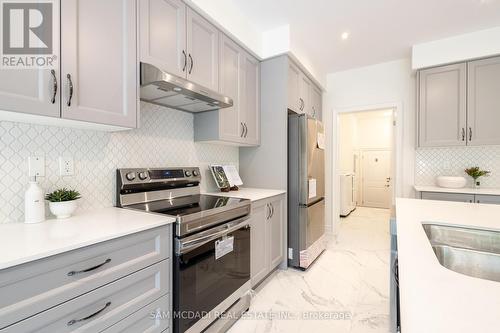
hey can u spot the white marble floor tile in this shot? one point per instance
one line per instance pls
(345, 291)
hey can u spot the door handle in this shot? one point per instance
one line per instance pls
(70, 83)
(74, 321)
(246, 129)
(185, 61)
(107, 261)
(54, 86)
(242, 130)
(301, 106)
(470, 133)
(192, 63)
(463, 134)
(272, 210)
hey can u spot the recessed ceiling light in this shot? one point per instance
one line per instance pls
(345, 35)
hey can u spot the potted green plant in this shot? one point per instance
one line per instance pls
(62, 202)
(476, 173)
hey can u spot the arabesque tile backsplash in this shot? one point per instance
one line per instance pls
(164, 139)
(452, 161)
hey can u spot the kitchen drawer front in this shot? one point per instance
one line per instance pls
(153, 318)
(458, 197)
(103, 307)
(33, 287)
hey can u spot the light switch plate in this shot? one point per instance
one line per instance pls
(66, 166)
(36, 166)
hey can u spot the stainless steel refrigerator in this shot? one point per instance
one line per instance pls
(306, 190)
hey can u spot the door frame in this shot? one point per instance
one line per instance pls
(397, 149)
(361, 182)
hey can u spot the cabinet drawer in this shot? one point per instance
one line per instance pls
(458, 197)
(33, 287)
(103, 307)
(153, 318)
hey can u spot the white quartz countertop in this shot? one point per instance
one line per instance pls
(435, 299)
(467, 190)
(253, 194)
(21, 243)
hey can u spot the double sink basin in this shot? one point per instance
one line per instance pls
(472, 252)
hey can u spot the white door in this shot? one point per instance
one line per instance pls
(162, 35)
(376, 178)
(99, 61)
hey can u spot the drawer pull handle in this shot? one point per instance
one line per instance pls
(89, 269)
(74, 321)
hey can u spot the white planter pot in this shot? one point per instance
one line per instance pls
(62, 210)
(451, 182)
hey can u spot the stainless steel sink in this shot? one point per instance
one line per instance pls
(473, 252)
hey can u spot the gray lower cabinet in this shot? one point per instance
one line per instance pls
(153, 318)
(487, 199)
(461, 197)
(267, 237)
(87, 289)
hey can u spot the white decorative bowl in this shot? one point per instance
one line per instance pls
(451, 182)
(62, 210)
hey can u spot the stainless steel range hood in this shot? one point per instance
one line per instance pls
(168, 90)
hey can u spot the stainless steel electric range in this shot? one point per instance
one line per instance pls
(211, 266)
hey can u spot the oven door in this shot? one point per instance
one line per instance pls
(208, 268)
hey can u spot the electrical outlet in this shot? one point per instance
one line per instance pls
(66, 166)
(36, 166)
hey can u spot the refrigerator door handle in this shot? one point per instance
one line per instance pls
(312, 203)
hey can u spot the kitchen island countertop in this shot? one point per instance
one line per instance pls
(435, 299)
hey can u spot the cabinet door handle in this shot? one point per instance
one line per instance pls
(272, 210)
(192, 63)
(89, 269)
(185, 60)
(246, 129)
(242, 130)
(301, 106)
(70, 83)
(314, 111)
(54, 86)
(470, 133)
(74, 321)
(463, 134)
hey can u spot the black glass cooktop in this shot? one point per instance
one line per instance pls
(187, 205)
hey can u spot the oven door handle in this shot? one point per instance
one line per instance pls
(186, 246)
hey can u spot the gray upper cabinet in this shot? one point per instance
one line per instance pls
(162, 31)
(483, 102)
(305, 86)
(176, 39)
(95, 89)
(294, 75)
(442, 106)
(231, 57)
(35, 91)
(303, 95)
(250, 99)
(459, 104)
(203, 51)
(239, 78)
(96, 47)
(317, 102)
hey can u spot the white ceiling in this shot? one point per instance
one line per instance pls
(380, 30)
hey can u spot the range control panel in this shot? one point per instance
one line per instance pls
(152, 175)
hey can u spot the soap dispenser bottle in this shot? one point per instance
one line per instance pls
(34, 203)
